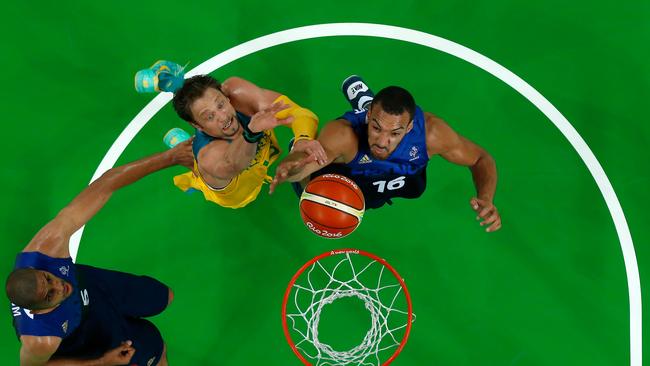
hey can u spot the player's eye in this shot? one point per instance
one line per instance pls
(210, 116)
(48, 298)
(395, 134)
(220, 105)
(375, 128)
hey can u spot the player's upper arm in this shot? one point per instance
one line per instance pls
(52, 240)
(444, 141)
(214, 161)
(339, 141)
(36, 351)
(247, 97)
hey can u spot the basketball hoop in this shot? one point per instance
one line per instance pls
(347, 274)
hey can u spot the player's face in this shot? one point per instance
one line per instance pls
(386, 131)
(51, 290)
(214, 115)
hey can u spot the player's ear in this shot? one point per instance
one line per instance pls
(196, 125)
(409, 127)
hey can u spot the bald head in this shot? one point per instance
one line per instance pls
(22, 287)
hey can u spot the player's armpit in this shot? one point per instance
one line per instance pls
(36, 351)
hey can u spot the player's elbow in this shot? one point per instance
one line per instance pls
(483, 161)
(110, 177)
(232, 84)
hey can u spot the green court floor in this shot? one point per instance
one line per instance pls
(550, 288)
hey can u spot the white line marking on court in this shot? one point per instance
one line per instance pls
(441, 44)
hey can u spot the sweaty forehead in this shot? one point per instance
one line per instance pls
(387, 120)
(206, 100)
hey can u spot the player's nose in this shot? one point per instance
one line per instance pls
(383, 141)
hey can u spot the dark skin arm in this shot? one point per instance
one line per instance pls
(340, 144)
(444, 141)
(53, 238)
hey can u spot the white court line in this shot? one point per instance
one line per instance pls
(441, 44)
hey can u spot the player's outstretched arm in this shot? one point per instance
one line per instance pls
(222, 160)
(340, 144)
(53, 238)
(249, 99)
(444, 141)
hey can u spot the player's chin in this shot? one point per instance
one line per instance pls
(231, 131)
(380, 156)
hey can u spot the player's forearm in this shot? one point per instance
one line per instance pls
(301, 172)
(484, 174)
(95, 196)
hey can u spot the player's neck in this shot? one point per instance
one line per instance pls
(44, 311)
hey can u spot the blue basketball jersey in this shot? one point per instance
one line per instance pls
(65, 318)
(402, 174)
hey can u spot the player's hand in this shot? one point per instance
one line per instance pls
(487, 212)
(120, 355)
(183, 155)
(266, 120)
(286, 169)
(312, 148)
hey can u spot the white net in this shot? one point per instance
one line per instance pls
(357, 278)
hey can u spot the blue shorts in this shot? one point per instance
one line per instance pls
(117, 303)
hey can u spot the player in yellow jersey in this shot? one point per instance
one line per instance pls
(234, 143)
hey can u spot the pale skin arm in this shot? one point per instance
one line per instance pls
(53, 238)
(37, 351)
(249, 99)
(444, 141)
(221, 160)
(340, 144)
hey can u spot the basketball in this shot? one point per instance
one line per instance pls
(332, 206)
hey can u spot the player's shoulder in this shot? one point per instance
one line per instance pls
(439, 135)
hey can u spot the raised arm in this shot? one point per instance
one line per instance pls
(340, 144)
(53, 238)
(249, 98)
(222, 159)
(444, 141)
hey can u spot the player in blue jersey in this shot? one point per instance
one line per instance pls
(384, 145)
(72, 314)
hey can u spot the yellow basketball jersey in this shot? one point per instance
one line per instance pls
(243, 188)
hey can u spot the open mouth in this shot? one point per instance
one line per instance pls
(228, 124)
